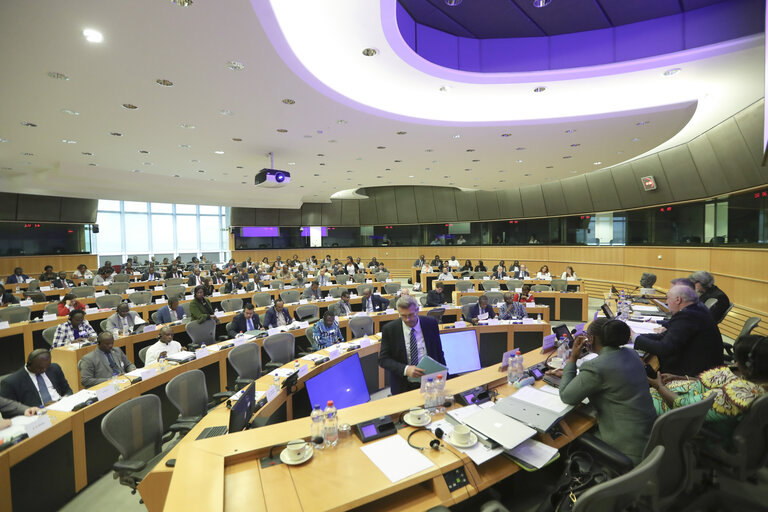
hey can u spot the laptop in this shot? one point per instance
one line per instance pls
(506, 431)
(539, 416)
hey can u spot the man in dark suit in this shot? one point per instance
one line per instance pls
(405, 342)
(480, 310)
(195, 279)
(17, 277)
(38, 383)
(313, 292)
(217, 277)
(343, 307)
(232, 286)
(704, 283)
(7, 297)
(435, 297)
(173, 271)
(101, 364)
(691, 342)
(373, 303)
(522, 273)
(245, 321)
(62, 282)
(167, 313)
(277, 315)
(151, 274)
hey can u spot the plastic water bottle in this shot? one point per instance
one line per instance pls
(538, 319)
(202, 345)
(296, 366)
(562, 349)
(331, 425)
(430, 396)
(316, 435)
(514, 367)
(276, 382)
(115, 383)
(439, 394)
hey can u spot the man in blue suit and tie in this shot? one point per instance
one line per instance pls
(480, 310)
(170, 312)
(17, 277)
(37, 383)
(405, 342)
(246, 321)
(373, 303)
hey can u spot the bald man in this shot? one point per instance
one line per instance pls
(104, 362)
(164, 346)
(691, 342)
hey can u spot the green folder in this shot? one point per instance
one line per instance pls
(429, 366)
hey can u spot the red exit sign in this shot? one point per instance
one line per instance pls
(31, 225)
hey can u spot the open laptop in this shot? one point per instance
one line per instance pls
(506, 431)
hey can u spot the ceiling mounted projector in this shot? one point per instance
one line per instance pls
(272, 178)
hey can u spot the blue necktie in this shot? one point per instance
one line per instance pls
(414, 349)
(44, 394)
(250, 324)
(112, 364)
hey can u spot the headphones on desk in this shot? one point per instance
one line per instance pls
(434, 443)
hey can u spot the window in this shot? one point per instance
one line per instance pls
(186, 208)
(159, 207)
(136, 233)
(110, 237)
(162, 233)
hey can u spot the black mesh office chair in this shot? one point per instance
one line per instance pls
(246, 361)
(232, 304)
(262, 299)
(281, 348)
(437, 314)
(361, 326)
(189, 394)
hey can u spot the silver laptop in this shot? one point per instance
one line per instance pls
(529, 414)
(504, 430)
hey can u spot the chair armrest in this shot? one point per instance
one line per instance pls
(302, 354)
(181, 427)
(220, 397)
(273, 366)
(192, 346)
(129, 466)
(607, 453)
(223, 338)
(188, 419)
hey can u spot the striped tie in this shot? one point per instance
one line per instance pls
(414, 349)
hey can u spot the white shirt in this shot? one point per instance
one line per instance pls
(445, 276)
(453, 263)
(368, 304)
(420, 346)
(154, 351)
(574, 277)
(281, 319)
(546, 275)
(426, 269)
(51, 390)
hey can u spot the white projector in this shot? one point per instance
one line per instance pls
(272, 178)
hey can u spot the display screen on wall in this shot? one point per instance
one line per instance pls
(305, 231)
(260, 231)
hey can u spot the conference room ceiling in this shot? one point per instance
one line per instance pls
(202, 139)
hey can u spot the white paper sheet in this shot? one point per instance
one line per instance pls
(534, 453)
(640, 307)
(540, 399)
(395, 458)
(479, 453)
(68, 402)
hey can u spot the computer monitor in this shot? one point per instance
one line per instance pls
(344, 383)
(562, 330)
(460, 351)
(241, 412)
(607, 311)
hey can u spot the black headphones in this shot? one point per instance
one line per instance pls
(434, 443)
(749, 363)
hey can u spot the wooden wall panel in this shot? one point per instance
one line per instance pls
(8, 203)
(627, 186)
(533, 201)
(602, 190)
(311, 214)
(385, 205)
(510, 205)
(750, 122)
(368, 214)
(554, 199)
(487, 205)
(331, 213)
(445, 205)
(651, 166)
(708, 166)
(577, 197)
(33, 265)
(350, 212)
(286, 217)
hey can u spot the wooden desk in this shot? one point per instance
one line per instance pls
(563, 305)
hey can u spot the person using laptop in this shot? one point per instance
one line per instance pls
(406, 342)
(615, 383)
(163, 347)
(124, 319)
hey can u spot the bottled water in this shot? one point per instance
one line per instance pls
(276, 382)
(439, 394)
(331, 425)
(429, 396)
(316, 435)
(562, 349)
(515, 367)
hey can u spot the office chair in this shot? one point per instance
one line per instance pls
(309, 333)
(135, 429)
(88, 281)
(541, 288)
(361, 326)
(514, 284)
(278, 284)
(336, 291)
(245, 359)
(33, 285)
(121, 278)
(479, 275)
(307, 313)
(262, 299)
(174, 281)
(489, 284)
(290, 296)
(15, 314)
(281, 348)
(108, 301)
(462, 286)
(175, 291)
(559, 285)
(189, 394)
(185, 308)
(392, 288)
(52, 308)
(143, 354)
(465, 312)
(103, 325)
(141, 298)
(749, 325)
(437, 314)
(83, 291)
(468, 299)
(381, 276)
(117, 288)
(201, 333)
(358, 278)
(494, 297)
(362, 287)
(49, 333)
(232, 304)
(423, 300)
(36, 297)
(155, 317)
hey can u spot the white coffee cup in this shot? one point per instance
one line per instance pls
(460, 434)
(296, 449)
(419, 415)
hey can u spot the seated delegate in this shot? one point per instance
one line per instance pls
(480, 310)
(525, 294)
(734, 392)
(246, 321)
(18, 277)
(75, 329)
(342, 307)
(373, 303)
(326, 332)
(7, 297)
(277, 315)
(435, 296)
(543, 273)
(616, 385)
(163, 347)
(704, 284)
(67, 304)
(569, 274)
(37, 383)
(124, 319)
(104, 362)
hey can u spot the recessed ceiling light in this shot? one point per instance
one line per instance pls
(164, 82)
(307, 136)
(87, 153)
(370, 52)
(244, 183)
(672, 71)
(147, 163)
(575, 145)
(332, 141)
(320, 154)
(501, 171)
(444, 88)
(597, 163)
(27, 154)
(93, 36)
(70, 112)
(427, 168)
(219, 152)
(452, 3)
(212, 179)
(381, 147)
(541, 3)
(502, 181)
(322, 163)
(6, 168)
(457, 136)
(398, 161)
(635, 139)
(574, 172)
(241, 167)
(401, 133)
(235, 65)
(428, 150)
(67, 141)
(567, 156)
(411, 176)
(527, 174)
(194, 161)
(467, 170)
(57, 76)
(116, 134)
(643, 123)
(475, 160)
(201, 171)
(187, 126)
(3, 140)
(289, 101)
(27, 123)
(317, 174)
(291, 163)
(470, 150)
(519, 149)
(182, 3)
(93, 165)
(540, 88)
(282, 130)
(137, 170)
(550, 167)
(379, 177)
(184, 146)
(177, 176)
(348, 171)
(619, 152)
(571, 130)
(519, 161)
(237, 139)
(506, 134)
(129, 106)
(341, 121)
(143, 151)
(226, 112)
(387, 169)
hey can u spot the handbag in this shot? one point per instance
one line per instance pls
(581, 473)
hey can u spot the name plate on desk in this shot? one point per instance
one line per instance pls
(161, 300)
(460, 324)
(105, 392)
(303, 370)
(238, 341)
(90, 311)
(216, 294)
(271, 393)
(302, 325)
(219, 314)
(365, 341)
(389, 311)
(273, 331)
(201, 352)
(486, 278)
(149, 328)
(303, 301)
(130, 290)
(493, 321)
(333, 353)
(368, 281)
(465, 278)
(26, 302)
(388, 280)
(44, 288)
(158, 288)
(47, 317)
(241, 291)
(350, 282)
(37, 424)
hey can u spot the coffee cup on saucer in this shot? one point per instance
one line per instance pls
(461, 434)
(419, 416)
(296, 450)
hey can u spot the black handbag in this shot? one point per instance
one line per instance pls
(581, 473)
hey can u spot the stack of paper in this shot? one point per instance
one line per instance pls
(395, 458)
(68, 402)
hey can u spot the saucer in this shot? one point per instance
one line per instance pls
(307, 455)
(408, 419)
(555, 363)
(470, 443)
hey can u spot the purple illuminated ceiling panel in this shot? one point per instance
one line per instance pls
(259, 231)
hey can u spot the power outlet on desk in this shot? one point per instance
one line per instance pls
(456, 479)
(268, 462)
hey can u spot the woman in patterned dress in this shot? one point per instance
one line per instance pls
(734, 391)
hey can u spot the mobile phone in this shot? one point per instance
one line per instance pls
(650, 371)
